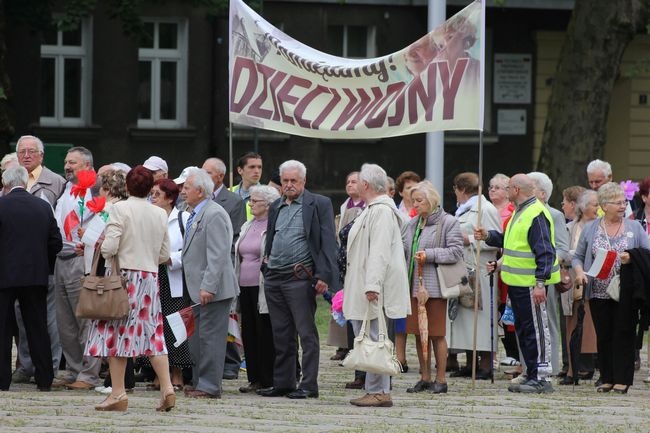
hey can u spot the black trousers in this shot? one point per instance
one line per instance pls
(615, 348)
(33, 307)
(531, 326)
(257, 337)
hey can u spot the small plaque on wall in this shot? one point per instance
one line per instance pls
(513, 76)
(511, 122)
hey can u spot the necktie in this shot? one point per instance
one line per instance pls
(188, 226)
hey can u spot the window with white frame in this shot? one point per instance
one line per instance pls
(353, 42)
(66, 76)
(162, 74)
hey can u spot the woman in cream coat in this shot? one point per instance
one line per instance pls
(460, 334)
(376, 276)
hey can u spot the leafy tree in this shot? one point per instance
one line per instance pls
(575, 132)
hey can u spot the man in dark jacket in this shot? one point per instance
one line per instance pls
(29, 240)
(300, 260)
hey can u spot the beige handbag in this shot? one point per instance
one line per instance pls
(373, 356)
(454, 278)
(103, 297)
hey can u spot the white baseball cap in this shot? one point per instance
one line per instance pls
(183, 177)
(155, 163)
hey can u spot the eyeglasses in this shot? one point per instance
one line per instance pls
(30, 152)
(253, 201)
(156, 193)
(618, 203)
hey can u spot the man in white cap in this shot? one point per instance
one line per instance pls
(157, 166)
(180, 180)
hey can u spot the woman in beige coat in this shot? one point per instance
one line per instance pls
(376, 278)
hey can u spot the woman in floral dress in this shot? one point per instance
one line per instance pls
(136, 234)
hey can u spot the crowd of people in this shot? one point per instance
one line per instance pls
(575, 280)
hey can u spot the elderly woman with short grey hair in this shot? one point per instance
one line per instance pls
(420, 246)
(611, 232)
(255, 322)
(376, 280)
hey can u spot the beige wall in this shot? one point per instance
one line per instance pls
(628, 126)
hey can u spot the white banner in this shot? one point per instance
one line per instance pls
(434, 84)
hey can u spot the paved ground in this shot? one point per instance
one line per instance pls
(488, 408)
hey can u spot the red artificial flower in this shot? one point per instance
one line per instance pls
(85, 179)
(96, 205)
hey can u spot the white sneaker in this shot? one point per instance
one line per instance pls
(510, 362)
(104, 389)
(519, 380)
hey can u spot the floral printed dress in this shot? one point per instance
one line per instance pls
(141, 332)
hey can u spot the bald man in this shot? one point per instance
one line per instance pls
(529, 264)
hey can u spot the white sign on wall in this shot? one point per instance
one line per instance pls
(513, 76)
(511, 122)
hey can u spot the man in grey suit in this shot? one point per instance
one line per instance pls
(210, 280)
(300, 260)
(557, 328)
(231, 202)
(47, 185)
(236, 208)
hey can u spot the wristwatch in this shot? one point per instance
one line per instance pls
(539, 285)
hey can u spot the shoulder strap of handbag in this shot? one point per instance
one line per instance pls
(383, 330)
(441, 226)
(181, 225)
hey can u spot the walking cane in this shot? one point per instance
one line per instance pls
(492, 323)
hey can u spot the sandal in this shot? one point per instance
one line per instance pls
(605, 387)
(178, 387)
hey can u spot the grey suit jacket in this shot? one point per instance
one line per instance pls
(206, 255)
(561, 234)
(236, 208)
(49, 186)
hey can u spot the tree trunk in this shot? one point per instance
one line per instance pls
(575, 130)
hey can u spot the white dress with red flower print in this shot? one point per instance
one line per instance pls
(141, 332)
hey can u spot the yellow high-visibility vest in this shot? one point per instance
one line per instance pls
(518, 267)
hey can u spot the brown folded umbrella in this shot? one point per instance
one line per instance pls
(423, 322)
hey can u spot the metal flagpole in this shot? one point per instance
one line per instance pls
(230, 176)
(435, 141)
(477, 269)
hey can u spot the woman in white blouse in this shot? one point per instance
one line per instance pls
(170, 275)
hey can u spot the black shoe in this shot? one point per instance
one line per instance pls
(483, 375)
(585, 375)
(562, 373)
(532, 386)
(438, 388)
(274, 392)
(302, 393)
(251, 387)
(463, 372)
(355, 384)
(339, 355)
(405, 368)
(420, 386)
(45, 388)
(568, 380)
(230, 375)
(598, 382)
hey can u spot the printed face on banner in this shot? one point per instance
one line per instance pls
(280, 84)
